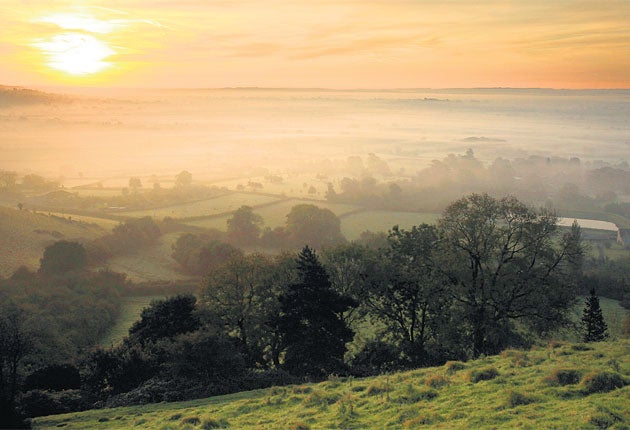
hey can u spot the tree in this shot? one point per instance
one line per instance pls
(135, 183)
(244, 226)
(408, 295)
(165, 318)
(506, 263)
(15, 344)
(62, 257)
(593, 325)
(309, 225)
(183, 179)
(314, 333)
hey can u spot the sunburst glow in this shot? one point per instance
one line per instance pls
(75, 53)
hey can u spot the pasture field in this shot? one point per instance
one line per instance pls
(152, 263)
(274, 214)
(516, 389)
(213, 206)
(292, 185)
(130, 311)
(104, 223)
(24, 235)
(375, 220)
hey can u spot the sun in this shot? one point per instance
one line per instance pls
(76, 50)
(76, 54)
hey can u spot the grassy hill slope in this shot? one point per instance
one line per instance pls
(560, 386)
(24, 235)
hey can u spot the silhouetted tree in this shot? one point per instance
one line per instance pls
(165, 318)
(62, 257)
(593, 325)
(311, 321)
(317, 227)
(244, 226)
(183, 179)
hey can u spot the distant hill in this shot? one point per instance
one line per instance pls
(24, 235)
(24, 96)
(558, 386)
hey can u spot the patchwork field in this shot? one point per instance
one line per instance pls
(24, 235)
(217, 205)
(556, 386)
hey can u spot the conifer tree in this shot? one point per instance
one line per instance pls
(313, 330)
(593, 324)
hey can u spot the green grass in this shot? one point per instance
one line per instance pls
(354, 224)
(521, 394)
(129, 314)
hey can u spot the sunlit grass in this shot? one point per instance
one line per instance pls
(521, 394)
(130, 311)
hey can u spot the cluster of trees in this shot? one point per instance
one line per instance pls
(492, 274)
(563, 183)
(127, 236)
(51, 317)
(199, 254)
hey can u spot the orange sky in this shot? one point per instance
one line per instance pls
(316, 43)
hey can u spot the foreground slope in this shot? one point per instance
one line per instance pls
(560, 386)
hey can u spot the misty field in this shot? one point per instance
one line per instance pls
(354, 224)
(515, 389)
(218, 205)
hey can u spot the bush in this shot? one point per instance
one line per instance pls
(38, 403)
(563, 377)
(484, 374)
(602, 382)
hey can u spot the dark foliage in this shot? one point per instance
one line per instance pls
(166, 318)
(593, 325)
(313, 331)
(62, 257)
(56, 377)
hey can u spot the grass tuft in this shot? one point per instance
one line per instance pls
(562, 377)
(194, 420)
(516, 398)
(212, 423)
(453, 366)
(436, 380)
(484, 374)
(602, 382)
(377, 388)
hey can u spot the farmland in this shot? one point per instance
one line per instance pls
(515, 389)
(129, 313)
(24, 235)
(353, 224)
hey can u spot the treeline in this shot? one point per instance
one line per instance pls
(558, 182)
(492, 274)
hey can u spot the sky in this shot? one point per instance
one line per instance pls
(316, 43)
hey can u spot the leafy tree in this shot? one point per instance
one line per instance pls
(63, 256)
(241, 295)
(183, 179)
(135, 183)
(165, 318)
(409, 296)
(317, 227)
(314, 332)
(506, 263)
(244, 227)
(593, 325)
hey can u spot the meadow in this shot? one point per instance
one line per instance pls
(560, 385)
(130, 311)
(352, 225)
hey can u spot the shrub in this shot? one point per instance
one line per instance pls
(453, 366)
(604, 419)
(563, 377)
(517, 399)
(485, 374)
(436, 381)
(602, 382)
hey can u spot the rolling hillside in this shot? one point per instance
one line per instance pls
(558, 386)
(24, 235)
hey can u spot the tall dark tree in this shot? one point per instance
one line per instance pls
(309, 224)
(593, 325)
(311, 321)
